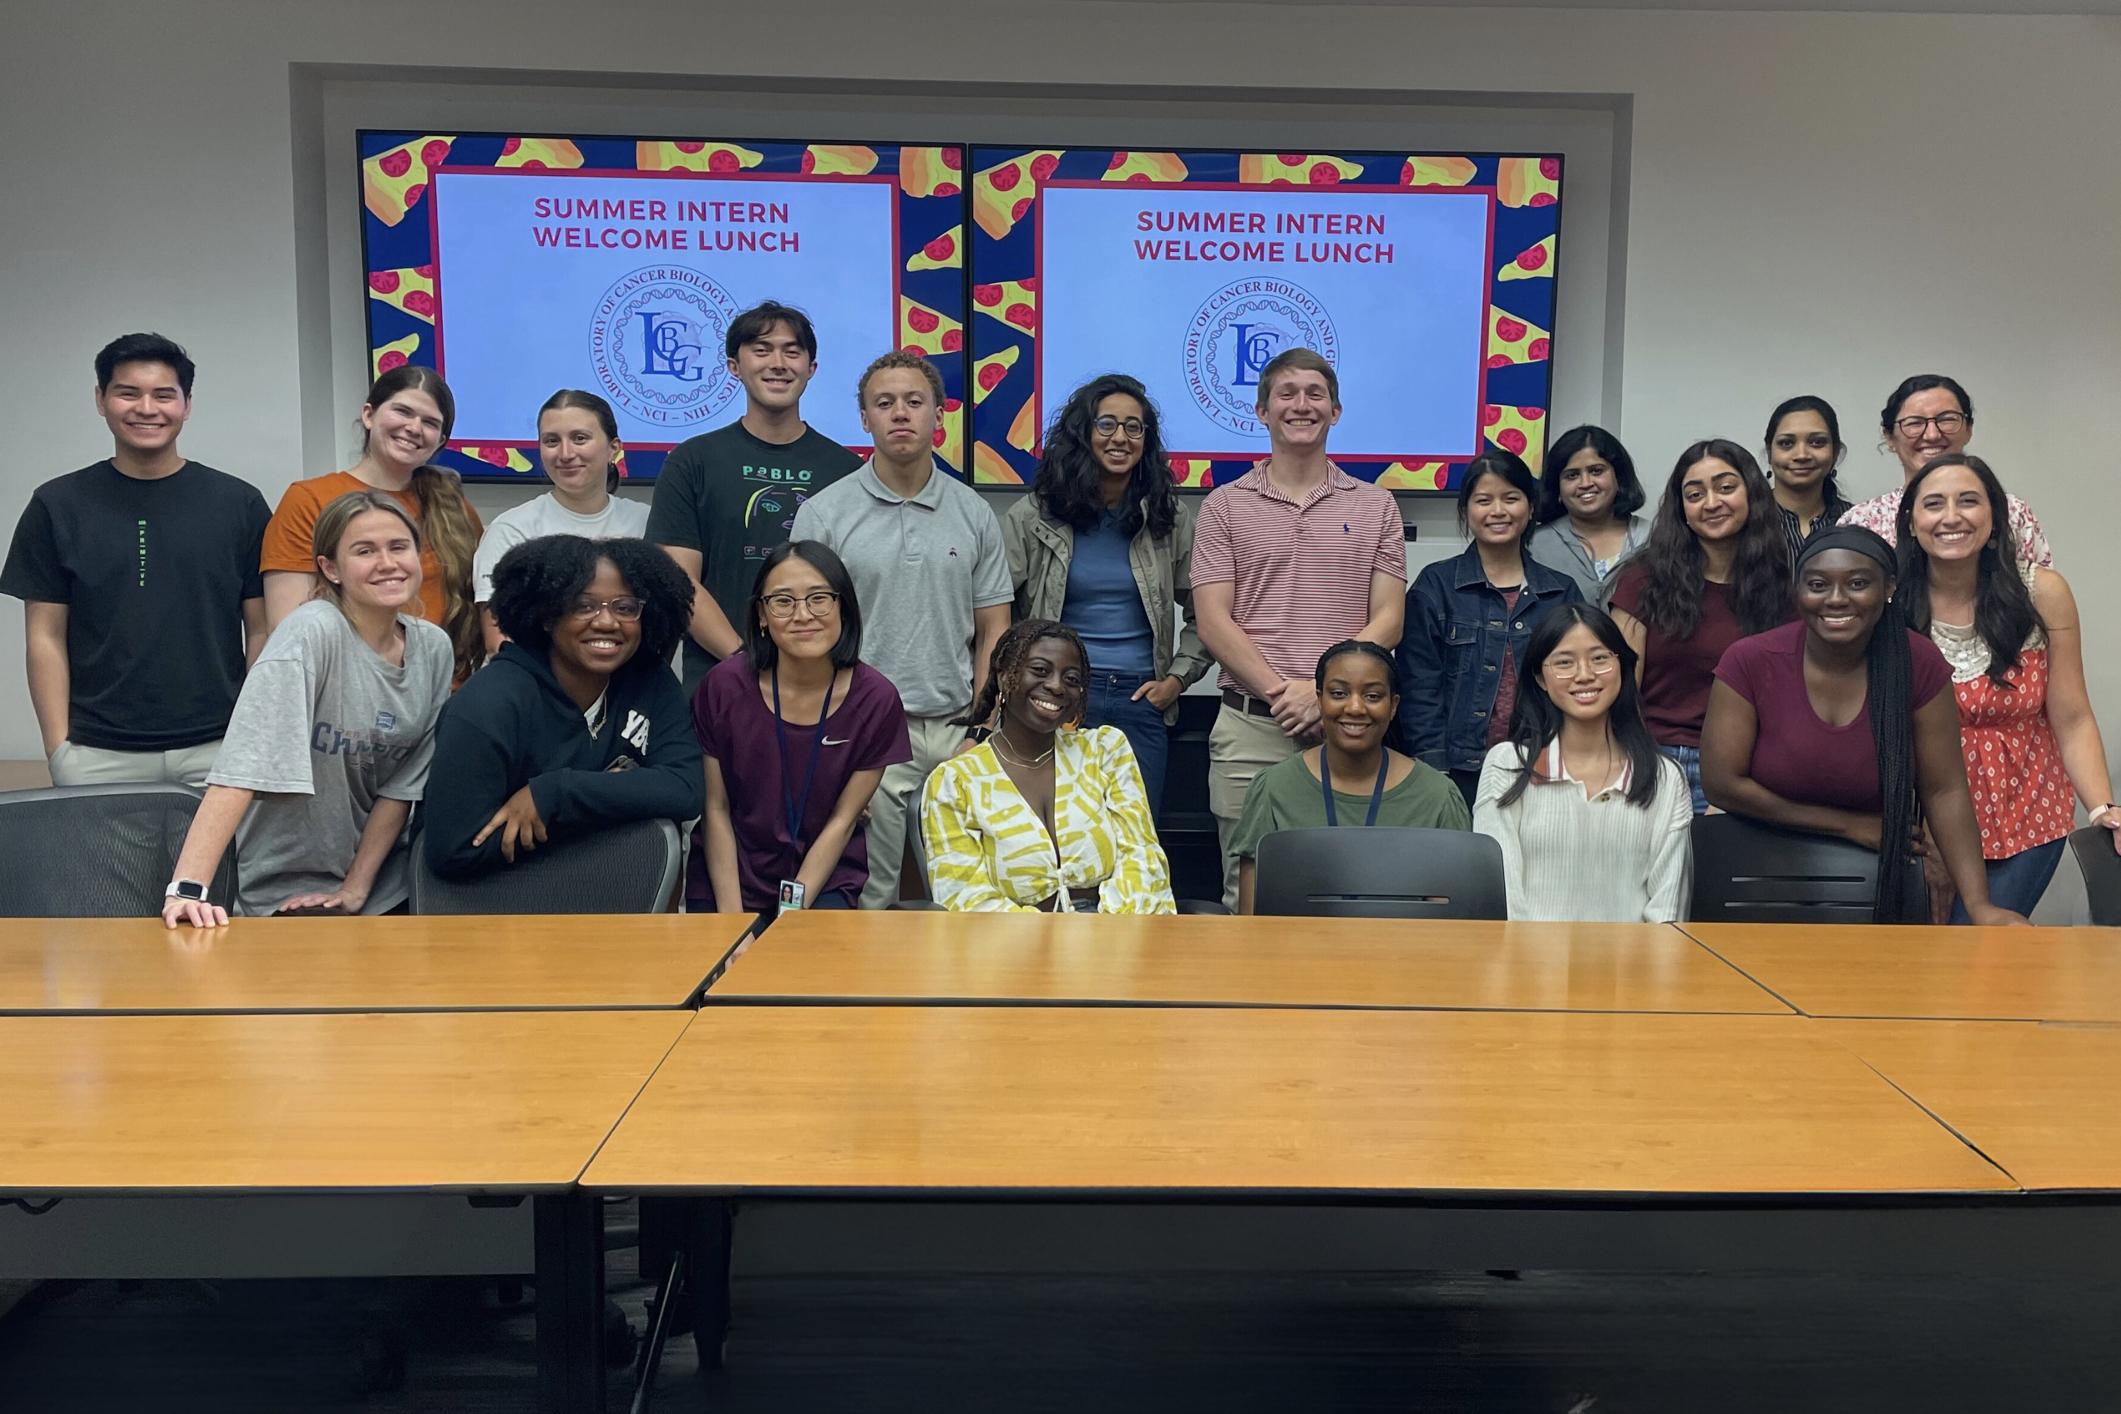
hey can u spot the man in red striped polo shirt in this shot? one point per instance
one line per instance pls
(1288, 560)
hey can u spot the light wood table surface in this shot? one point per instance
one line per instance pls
(2043, 1102)
(616, 961)
(504, 1101)
(1258, 1102)
(1974, 974)
(1197, 960)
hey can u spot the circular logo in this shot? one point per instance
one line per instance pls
(655, 340)
(1237, 332)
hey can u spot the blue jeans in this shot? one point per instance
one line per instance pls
(2017, 882)
(1107, 706)
(1689, 759)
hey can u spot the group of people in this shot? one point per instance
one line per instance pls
(874, 663)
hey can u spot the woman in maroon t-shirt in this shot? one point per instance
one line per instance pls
(797, 732)
(1716, 568)
(1843, 724)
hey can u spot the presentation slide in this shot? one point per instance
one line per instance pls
(1426, 280)
(516, 266)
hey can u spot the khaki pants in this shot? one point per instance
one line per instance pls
(935, 740)
(73, 765)
(1239, 748)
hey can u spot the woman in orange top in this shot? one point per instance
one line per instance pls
(404, 421)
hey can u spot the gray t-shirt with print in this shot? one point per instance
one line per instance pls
(324, 729)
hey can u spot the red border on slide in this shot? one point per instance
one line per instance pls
(1038, 271)
(434, 241)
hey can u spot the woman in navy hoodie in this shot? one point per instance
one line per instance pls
(578, 722)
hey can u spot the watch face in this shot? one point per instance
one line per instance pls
(189, 889)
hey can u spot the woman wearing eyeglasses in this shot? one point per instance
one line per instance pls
(797, 731)
(577, 723)
(1594, 821)
(1103, 546)
(1930, 416)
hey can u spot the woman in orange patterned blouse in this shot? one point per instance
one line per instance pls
(2032, 746)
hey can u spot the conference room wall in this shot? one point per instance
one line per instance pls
(1812, 202)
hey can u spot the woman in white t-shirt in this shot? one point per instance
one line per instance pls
(578, 441)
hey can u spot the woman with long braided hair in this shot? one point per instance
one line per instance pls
(1043, 816)
(1842, 723)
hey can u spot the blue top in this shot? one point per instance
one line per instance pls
(1104, 604)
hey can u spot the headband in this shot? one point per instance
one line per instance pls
(1868, 543)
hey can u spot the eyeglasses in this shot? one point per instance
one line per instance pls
(1947, 423)
(1134, 427)
(1602, 664)
(819, 602)
(625, 608)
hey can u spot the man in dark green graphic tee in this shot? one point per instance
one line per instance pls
(726, 499)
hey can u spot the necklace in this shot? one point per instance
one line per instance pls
(1000, 741)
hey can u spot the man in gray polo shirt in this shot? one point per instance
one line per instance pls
(933, 579)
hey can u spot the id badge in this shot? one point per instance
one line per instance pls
(792, 892)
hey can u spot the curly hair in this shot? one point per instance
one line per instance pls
(1675, 566)
(1068, 471)
(538, 581)
(1016, 641)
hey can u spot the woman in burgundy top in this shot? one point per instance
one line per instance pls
(1716, 568)
(1842, 723)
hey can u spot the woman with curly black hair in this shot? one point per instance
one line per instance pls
(1101, 544)
(578, 721)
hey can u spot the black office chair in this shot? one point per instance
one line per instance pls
(2094, 847)
(1749, 872)
(630, 868)
(97, 851)
(1380, 872)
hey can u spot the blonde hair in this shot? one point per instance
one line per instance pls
(445, 516)
(331, 527)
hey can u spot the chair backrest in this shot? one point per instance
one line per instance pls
(2094, 847)
(97, 851)
(630, 868)
(913, 883)
(1380, 872)
(1749, 872)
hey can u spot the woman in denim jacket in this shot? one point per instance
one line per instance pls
(1468, 619)
(1102, 545)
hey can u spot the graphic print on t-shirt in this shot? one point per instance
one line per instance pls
(772, 496)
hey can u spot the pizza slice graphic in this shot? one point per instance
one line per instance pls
(1014, 302)
(1414, 476)
(991, 468)
(1536, 263)
(931, 171)
(500, 458)
(1023, 429)
(539, 154)
(1519, 430)
(990, 371)
(398, 351)
(1191, 471)
(1140, 167)
(1512, 340)
(826, 161)
(393, 182)
(411, 289)
(1003, 193)
(1295, 169)
(923, 330)
(694, 157)
(950, 433)
(945, 252)
(1528, 181)
(1436, 172)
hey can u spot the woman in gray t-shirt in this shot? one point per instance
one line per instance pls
(331, 737)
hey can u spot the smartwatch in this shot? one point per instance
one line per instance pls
(190, 890)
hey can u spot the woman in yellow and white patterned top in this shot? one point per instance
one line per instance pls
(1042, 817)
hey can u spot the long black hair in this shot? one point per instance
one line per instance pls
(2004, 612)
(1508, 468)
(538, 581)
(1675, 566)
(1889, 679)
(1008, 656)
(1806, 402)
(1537, 721)
(1066, 481)
(1628, 495)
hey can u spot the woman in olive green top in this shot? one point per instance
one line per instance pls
(1371, 783)
(1103, 546)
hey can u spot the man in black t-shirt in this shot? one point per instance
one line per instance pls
(142, 601)
(725, 499)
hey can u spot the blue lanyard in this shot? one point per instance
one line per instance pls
(1377, 792)
(794, 807)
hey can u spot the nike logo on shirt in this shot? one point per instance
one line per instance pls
(829, 741)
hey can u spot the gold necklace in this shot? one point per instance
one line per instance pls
(1000, 739)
